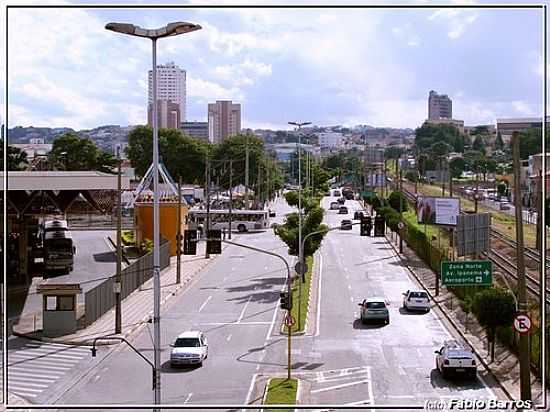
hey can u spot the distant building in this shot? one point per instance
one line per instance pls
(171, 85)
(284, 151)
(119, 149)
(508, 126)
(331, 140)
(197, 130)
(36, 147)
(439, 106)
(459, 124)
(168, 115)
(224, 120)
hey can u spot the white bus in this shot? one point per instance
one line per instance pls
(241, 220)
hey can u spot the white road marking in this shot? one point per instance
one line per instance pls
(349, 287)
(250, 388)
(23, 393)
(233, 323)
(265, 267)
(40, 383)
(205, 302)
(400, 396)
(371, 394)
(343, 385)
(36, 365)
(244, 309)
(224, 279)
(20, 389)
(188, 397)
(351, 298)
(272, 322)
(228, 338)
(48, 378)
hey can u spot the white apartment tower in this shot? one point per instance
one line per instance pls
(171, 86)
(224, 120)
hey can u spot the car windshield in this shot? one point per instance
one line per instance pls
(376, 305)
(418, 295)
(187, 343)
(459, 354)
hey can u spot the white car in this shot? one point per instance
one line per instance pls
(190, 348)
(455, 357)
(416, 300)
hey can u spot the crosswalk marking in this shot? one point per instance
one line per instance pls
(35, 367)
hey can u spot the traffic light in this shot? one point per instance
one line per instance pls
(189, 242)
(286, 300)
(214, 242)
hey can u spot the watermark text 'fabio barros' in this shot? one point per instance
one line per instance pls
(440, 405)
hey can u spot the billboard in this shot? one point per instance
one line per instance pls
(438, 210)
(376, 180)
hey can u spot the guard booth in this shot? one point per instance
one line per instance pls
(59, 308)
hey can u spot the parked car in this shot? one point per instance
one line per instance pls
(336, 193)
(346, 225)
(416, 300)
(341, 200)
(334, 206)
(190, 348)
(455, 357)
(374, 309)
(327, 193)
(272, 213)
(358, 215)
(504, 206)
(343, 210)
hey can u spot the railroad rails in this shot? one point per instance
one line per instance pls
(505, 264)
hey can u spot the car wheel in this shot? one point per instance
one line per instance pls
(427, 310)
(241, 228)
(387, 321)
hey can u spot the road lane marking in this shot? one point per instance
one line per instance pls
(369, 386)
(188, 397)
(40, 383)
(318, 331)
(45, 378)
(228, 337)
(351, 298)
(205, 302)
(23, 388)
(268, 336)
(244, 309)
(349, 287)
(401, 396)
(233, 323)
(343, 385)
(250, 389)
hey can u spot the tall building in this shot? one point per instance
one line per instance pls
(171, 85)
(439, 106)
(168, 115)
(224, 120)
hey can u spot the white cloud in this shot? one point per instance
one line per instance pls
(207, 91)
(456, 20)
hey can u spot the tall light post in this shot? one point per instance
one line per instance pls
(172, 29)
(300, 250)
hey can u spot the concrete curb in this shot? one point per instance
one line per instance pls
(452, 322)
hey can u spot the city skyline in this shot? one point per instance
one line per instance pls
(89, 78)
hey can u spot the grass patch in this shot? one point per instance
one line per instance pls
(281, 391)
(299, 326)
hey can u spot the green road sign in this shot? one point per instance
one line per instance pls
(467, 273)
(367, 194)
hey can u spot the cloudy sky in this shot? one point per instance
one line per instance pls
(327, 66)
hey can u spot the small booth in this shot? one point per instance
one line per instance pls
(59, 308)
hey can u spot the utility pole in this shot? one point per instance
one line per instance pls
(207, 255)
(246, 166)
(178, 236)
(539, 207)
(230, 195)
(118, 280)
(477, 189)
(524, 369)
(450, 181)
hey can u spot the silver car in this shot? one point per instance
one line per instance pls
(374, 308)
(455, 357)
(190, 348)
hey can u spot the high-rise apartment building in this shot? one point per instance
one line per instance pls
(224, 120)
(171, 85)
(439, 106)
(168, 115)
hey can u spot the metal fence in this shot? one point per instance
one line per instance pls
(101, 298)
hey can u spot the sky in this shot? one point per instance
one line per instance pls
(328, 66)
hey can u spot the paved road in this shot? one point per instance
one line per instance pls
(95, 259)
(351, 363)
(234, 302)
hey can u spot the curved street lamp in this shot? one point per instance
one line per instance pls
(172, 29)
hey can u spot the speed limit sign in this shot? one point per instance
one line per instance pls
(289, 320)
(522, 323)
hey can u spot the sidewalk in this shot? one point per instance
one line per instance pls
(137, 308)
(505, 368)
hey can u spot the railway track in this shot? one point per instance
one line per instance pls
(506, 264)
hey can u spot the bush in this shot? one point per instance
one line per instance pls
(128, 237)
(396, 199)
(146, 246)
(411, 176)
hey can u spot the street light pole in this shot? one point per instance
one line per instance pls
(172, 29)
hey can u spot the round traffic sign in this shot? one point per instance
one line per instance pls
(301, 268)
(522, 323)
(289, 320)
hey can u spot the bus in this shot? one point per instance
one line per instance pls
(241, 220)
(57, 246)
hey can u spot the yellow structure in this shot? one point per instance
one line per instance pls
(143, 222)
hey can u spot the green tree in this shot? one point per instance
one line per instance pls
(428, 134)
(530, 141)
(72, 152)
(494, 308)
(457, 165)
(312, 222)
(396, 199)
(502, 188)
(17, 158)
(393, 152)
(479, 144)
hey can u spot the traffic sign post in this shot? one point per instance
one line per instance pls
(522, 323)
(289, 320)
(467, 273)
